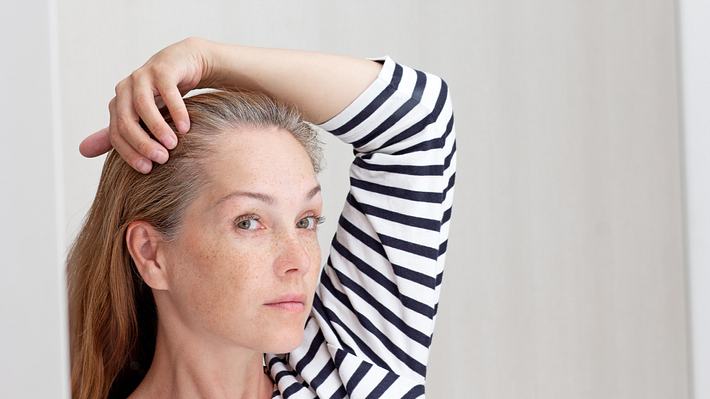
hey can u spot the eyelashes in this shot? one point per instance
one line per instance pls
(245, 222)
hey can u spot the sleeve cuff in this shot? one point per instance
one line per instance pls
(361, 101)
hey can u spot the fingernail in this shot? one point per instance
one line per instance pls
(171, 141)
(183, 127)
(144, 165)
(159, 156)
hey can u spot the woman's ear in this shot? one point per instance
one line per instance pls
(145, 246)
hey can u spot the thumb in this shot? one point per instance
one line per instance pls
(95, 144)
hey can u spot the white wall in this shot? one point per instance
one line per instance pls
(33, 335)
(694, 54)
(566, 274)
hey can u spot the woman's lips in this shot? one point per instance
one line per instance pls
(288, 306)
(288, 303)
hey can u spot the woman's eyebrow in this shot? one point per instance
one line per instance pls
(263, 197)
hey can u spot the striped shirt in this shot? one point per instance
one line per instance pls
(370, 328)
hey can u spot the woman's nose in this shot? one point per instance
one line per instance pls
(293, 255)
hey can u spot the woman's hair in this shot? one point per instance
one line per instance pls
(112, 314)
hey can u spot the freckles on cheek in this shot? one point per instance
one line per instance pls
(198, 277)
(227, 281)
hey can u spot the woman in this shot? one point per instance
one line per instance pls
(213, 265)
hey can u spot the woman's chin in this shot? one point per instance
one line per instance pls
(284, 343)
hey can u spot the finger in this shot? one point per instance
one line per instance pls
(176, 105)
(145, 107)
(133, 158)
(127, 127)
(95, 144)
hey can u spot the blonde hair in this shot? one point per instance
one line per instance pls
(112, 315)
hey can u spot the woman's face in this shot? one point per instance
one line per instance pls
(249, 241)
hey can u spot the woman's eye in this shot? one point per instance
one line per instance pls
(311, 222)
(246, 222)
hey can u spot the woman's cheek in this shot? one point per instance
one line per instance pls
(206, 274)
(314, 252)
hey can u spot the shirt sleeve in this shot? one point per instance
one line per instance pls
(375, 307)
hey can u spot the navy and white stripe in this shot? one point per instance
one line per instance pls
(369, 333)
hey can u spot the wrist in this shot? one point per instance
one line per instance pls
(224, 66)
(210, 58)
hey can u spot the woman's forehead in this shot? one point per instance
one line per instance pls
(261, 163)
(260, 152)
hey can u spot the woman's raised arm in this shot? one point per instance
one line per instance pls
(320, 85)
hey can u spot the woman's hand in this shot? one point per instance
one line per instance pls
(164, 78)
(319, 85)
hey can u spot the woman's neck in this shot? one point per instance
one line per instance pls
(184, 367)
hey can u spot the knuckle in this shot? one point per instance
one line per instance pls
(157, 70)
(137, 74)
(120, 122)
(150, 126)
(122, 125)
(143, 147)
(141, 101)
(152, 66)
(157, 129)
